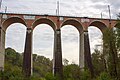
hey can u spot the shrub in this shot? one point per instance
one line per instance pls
(49, 76)
(104, 76)
(85, 75)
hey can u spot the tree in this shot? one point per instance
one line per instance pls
(65, 62)
(109, 41)
(71, 72)
(13, 66)
(41, 65)
(117, 34)
(98, 62)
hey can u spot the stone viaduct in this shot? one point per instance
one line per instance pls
(56, 22)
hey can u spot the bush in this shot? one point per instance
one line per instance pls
(104, 76)
(49, 76)
(85, 75)
(35, 78)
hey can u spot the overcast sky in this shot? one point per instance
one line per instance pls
(43, 34)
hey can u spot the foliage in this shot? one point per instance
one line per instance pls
(104, 76)
(49, 76)
(85, 75)
(65, 62)
(73, 72)
(13, 66)
(99, 62)
(109, 39)
(42, 68)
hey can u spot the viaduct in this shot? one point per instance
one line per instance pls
(56, 22)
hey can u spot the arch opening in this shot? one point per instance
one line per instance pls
(98, 49)
(15, 37)
(95, 38)
(14, 44)
(43, 39)
(70, 44)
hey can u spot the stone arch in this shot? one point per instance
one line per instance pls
(74, 23)
(102, 26)
(44, 21)
(12, 20)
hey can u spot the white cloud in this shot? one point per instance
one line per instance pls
(95, 37)
(15, 37)
(70, 51)
(91, 8)
(70, 43)
(43, 40)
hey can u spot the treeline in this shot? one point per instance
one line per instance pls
(42, 68)
(14, 62)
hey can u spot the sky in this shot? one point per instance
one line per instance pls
(43, 35)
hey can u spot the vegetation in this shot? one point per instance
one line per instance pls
(42, 69)
(13, 66)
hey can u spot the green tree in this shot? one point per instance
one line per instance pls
(65, 62)
(117, 34)
(71, 72)
(41, 65)
(99, 62)
(13, 66)
(109, 41)
(104, 76)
